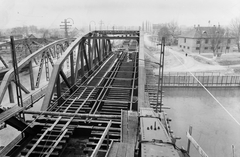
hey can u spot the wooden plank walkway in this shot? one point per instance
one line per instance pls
(121, 150)
(126, 147)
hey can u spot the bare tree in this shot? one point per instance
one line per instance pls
(213, 37)
(216, 35)
(173, 31)
(172, 27)
(235, 31)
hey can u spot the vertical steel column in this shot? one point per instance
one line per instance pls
(102, 50)
(58, 49)
(82, 61)
(30, 51)
(51, 52)
(40, 70)
(94, 52)
(59, 90)
(31, 75)
(90, 58)
(47, 66)
(16, 73)
(77, 63)
(72, 68)
(54, 50)
(85, 57)
(10, 92)
(97, 50)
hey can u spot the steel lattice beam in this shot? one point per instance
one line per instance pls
(9, 76)
(99, 46)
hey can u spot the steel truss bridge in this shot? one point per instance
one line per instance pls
(96, 106)
(24, 47)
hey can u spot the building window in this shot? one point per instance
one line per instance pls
(198, 41)
(206, 48)
(197, 48)
(185, 40)
(183, 46)
(206, 41)
(188, 47)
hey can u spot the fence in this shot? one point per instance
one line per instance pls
(207, 79)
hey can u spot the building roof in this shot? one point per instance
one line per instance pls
(204, 32)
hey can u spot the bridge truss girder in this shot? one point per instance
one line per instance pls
(28, 61)
(91, 50)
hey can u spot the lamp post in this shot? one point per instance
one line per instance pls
(90, 25)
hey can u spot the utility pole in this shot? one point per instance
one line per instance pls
(65, 27)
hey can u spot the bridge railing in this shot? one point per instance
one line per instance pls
(44, 54)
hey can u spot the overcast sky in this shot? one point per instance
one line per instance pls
(50, 13)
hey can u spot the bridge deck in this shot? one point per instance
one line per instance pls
(99, 117)
(110, 90)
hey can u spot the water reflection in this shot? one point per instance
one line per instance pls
(213, 128)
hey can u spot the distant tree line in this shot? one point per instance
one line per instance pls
(171, 30)
(40, 32)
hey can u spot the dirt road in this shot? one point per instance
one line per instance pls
(178, 61)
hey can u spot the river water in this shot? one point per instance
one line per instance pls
(214, 128)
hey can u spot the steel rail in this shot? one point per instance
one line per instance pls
(133, 80)
(91, 77)
(69, 121)
(79, 115)
(57, 114)
(88, 81)
(109, 81)
(94, 154)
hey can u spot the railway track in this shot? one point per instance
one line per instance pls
(108, 91)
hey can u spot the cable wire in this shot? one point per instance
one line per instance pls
(219, 103)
